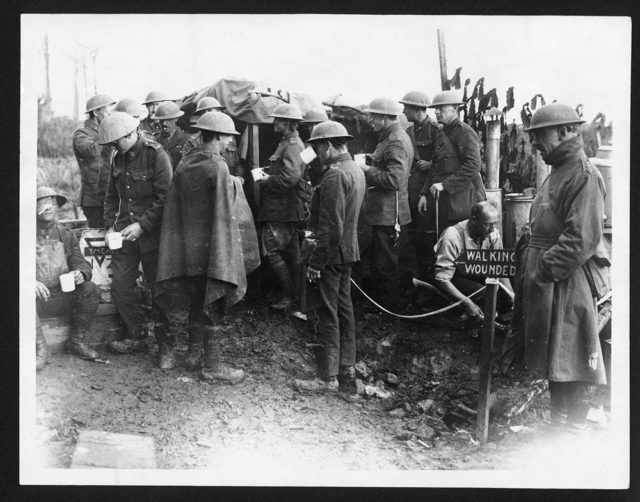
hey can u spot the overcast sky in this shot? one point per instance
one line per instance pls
(571, 59)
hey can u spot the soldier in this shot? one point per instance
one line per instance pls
(386, 204)
(153, 99)
(140, 177)
(422, 132)
(310, 119)
(564, 268)
(478, 232)
(171, 136)
(93, 160)
(281, 210)
(204, 252)
(230, 153)
(57, 253)
(453, 182)
(335, 208)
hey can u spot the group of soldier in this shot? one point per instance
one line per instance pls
(178, 203)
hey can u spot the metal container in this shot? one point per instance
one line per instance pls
(494, 197)
(517, 209)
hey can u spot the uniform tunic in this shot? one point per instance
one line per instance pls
(455, 164)
(151, 127)
(93, 161)
(387, 197)
(174, 145)
(278, 199)
(566, 221)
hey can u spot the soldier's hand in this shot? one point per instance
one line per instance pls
(423, 165)
(422, 205)
(313, 274)
(593, 361)
(436, 188)
(78, 277)
(364, 167)
(473, 310)
(42, 292)
(132, 232)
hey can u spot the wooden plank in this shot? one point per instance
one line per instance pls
(491, 294)
(56, 329)
(99, 449)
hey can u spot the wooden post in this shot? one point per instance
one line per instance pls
(491, 294)
(444, 82)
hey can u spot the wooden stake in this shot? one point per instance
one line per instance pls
(491, 294)
(444, 82)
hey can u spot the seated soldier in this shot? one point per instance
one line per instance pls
(478, 232)
(57, 253)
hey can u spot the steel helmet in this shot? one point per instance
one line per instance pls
(217, 122)
(315, 116)
(208, 103)
(445, 98)
(43, 192)
(415, 98)
(167, 110)
(384, 106)
(130, 106)
(287, 111)
(155, 97)
(327, 130)
(553, 115)
(98, 101)
(116, 126)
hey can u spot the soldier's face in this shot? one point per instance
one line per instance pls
(322, 150)
(378, 122)
(546, 140)
(411, 112)
(47, 208)
(168, 127)
(446, 113)
(484, 224)
(225, 139)
(280, 125)
(123, 145)
(151, 108)
(101, 113)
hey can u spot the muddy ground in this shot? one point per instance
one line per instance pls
(428, 370)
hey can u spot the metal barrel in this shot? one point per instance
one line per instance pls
(517, 208)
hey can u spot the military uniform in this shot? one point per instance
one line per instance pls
(174, 145)
(93, 161)
(281, 210)
(138, 185)
(455, 164)
(335, 208)
(415, 239)
(387, 204)
(151, 127)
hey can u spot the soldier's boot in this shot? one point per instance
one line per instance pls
(76, 344)
(213, 370)
(193, 357)
(281, 271)
(347, 379)
(42, 350)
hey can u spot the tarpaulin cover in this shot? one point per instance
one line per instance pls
(237, 96)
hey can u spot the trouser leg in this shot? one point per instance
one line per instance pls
(213, 370)
(86, 299)
(124, 290)
(193, 357)
(328, 323)
(42, 350)
(291, 256)
(385, 262)
(557, 402)
(346, 318)
(94, 215)
(577, 397)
